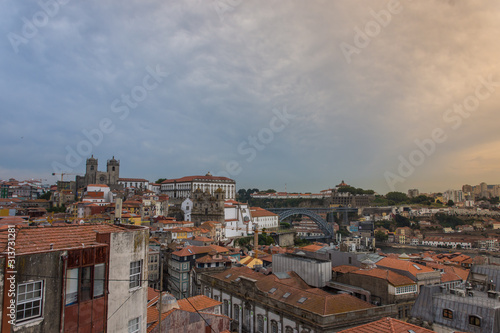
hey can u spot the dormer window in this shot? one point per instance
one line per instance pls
(475, 321)
(447, 313)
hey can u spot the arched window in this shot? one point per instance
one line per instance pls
(288, 329)
(260, 324)
(236, 312)
(475, 321)
(274, 326)
(447, 313)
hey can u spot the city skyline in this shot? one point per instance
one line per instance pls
(387, 95)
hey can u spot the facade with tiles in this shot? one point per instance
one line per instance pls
(285, 303)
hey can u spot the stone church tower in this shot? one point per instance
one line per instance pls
(207, 207)
(94, 176)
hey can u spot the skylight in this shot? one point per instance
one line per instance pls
(237, 280)
(228, 276)
(189, 250)
(286, 295)
(302, 300)
(272, 290)
(417, 267)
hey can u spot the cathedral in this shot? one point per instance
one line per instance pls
(93, 176)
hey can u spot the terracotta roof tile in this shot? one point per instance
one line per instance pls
(40, 239)
(387, 325)
(392, 277)
(296, 289)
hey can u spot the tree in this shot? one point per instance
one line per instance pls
(160, 180)
(402, 221)
(397, 197)
(381, 236)
(450, 203)
(344, 232)
(46, 195)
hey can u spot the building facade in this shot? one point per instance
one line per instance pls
(184, 187)
(94, 176)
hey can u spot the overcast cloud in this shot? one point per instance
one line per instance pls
(220, 69)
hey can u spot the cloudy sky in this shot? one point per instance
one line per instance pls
(383, 94)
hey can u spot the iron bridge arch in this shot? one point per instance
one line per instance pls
(321, 222)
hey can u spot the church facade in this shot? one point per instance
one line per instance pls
(94, 176)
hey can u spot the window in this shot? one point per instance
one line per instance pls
(29, 300)
(236, 312)
(475, 321)
(135, 274)
(226, 307)
(447, 313)
(99, 271)
(274, 326)
(85, 283)
(134, 325)
(72, 286)
(406, 289)
(260, 324)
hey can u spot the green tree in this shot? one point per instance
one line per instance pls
(381, 236)
(397, 197)
(160, 180)
(402, 221)
(46, 195)
(344, 232)
(450, 203)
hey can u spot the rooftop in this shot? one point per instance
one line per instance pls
(387, 325)
(54, 238)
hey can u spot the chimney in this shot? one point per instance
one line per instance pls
(168, 302)
(255, 241)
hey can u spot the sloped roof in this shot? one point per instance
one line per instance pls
(387, 325)
(40, 239)
(292, 289)
(386, 274)
(404, 265)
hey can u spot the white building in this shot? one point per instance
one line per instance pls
(139, 183)
(238, 219)
(99, 194)
(187, 207)
(185, 186)
(264, 218)
(128, 276)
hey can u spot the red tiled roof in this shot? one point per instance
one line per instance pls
(404, 265)
(344, 268)
(38, 239)
(200, 303)
(260, 212)
(392, 277)
(312, 299)
(387, 325)
(133, 180)
(192, 178)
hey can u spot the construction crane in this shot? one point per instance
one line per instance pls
(63, 173)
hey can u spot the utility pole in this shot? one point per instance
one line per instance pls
(161, 285)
